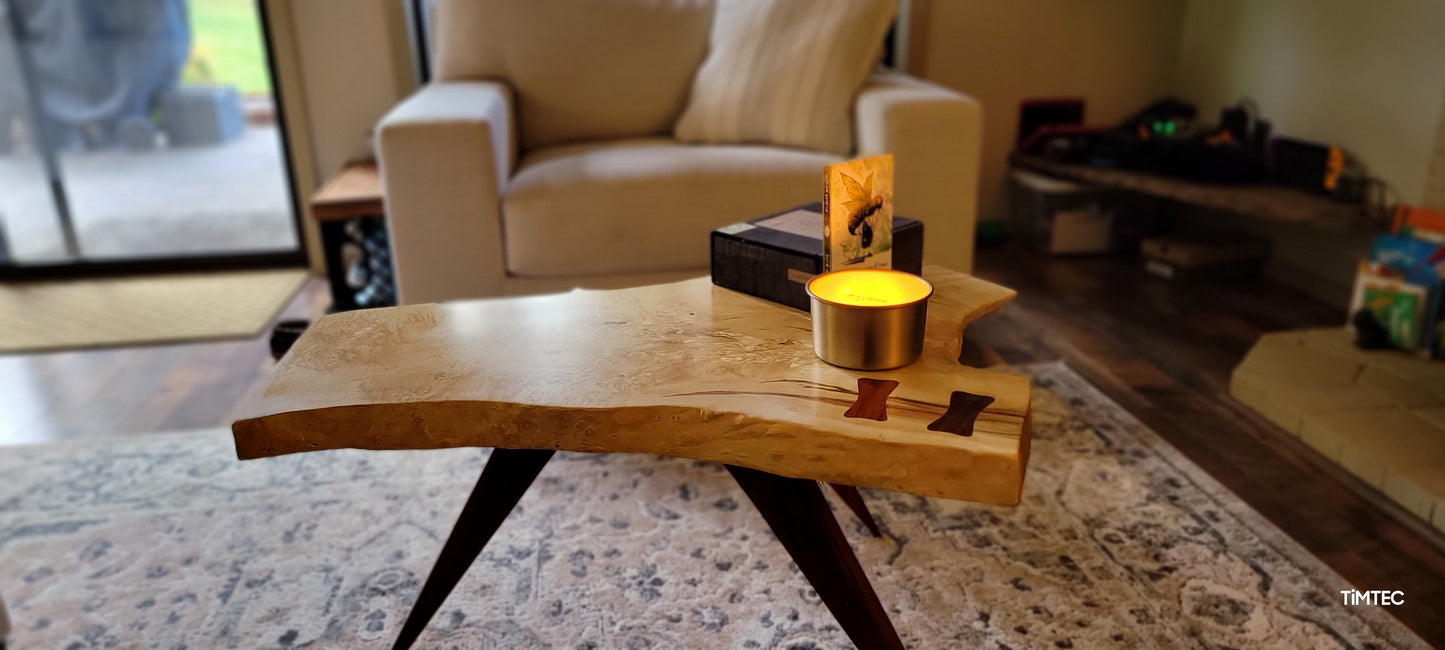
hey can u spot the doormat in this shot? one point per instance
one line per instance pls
(68, 314)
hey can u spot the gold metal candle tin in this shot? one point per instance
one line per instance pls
(869, 319)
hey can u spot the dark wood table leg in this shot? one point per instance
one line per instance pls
(508, 474)
(855, 503)
(799, 516)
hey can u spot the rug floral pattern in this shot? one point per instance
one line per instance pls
(167, 541)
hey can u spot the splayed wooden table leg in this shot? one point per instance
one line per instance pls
(799, 516)
(508, 474)
(794, 509)
(854, 500)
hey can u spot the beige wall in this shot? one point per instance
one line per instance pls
(1117, 54)
(341, 64)
(353, 70)
(1435, 180)
(1367, 76)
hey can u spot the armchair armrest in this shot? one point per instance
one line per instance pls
(936, 137)
(445, 154)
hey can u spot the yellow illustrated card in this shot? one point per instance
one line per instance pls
(858, 214)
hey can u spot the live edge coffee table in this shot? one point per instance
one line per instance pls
(684, 369)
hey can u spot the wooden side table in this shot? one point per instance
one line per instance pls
(1262, 201)
(349, 211)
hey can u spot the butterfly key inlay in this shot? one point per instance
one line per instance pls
(963, 410)
(872, 403)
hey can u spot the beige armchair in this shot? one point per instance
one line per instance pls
(540, 159)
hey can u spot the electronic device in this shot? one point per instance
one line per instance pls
(1309, 166)
(1166, 118)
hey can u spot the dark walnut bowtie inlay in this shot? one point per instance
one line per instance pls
(872, 403)
(963, 410)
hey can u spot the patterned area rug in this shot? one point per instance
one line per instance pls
(167, 541)
(148, 309)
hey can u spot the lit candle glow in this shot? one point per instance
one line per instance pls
(870, 288)
(868, 319)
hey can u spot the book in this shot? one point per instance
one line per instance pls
(1398, 305)
(1415, 261)
(1418, 218)
(858, 214)
(774, 256)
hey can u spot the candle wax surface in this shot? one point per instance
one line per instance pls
(869, 288)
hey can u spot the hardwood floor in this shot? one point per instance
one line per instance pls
(1162, 350)
(56, 396)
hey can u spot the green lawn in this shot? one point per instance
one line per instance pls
(227, 46)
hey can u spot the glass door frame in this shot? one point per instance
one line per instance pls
(80, 267)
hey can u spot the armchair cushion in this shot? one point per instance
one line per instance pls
(785, 72)
(580, 70)
(643, 205)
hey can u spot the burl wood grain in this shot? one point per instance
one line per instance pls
(684, 369)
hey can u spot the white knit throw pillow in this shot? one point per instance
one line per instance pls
(785, 72)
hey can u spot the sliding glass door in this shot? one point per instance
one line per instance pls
(135, 131)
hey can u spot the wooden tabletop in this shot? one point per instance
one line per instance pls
(1264, 201)
(685, 369)
(355, 191)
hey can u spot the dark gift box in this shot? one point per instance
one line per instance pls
(772, 257)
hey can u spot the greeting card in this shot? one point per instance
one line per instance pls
(858, 214)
